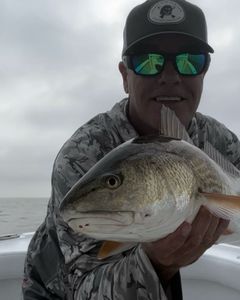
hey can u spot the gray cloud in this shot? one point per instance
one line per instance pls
(58, 68)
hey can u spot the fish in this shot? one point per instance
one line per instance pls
(145, 188)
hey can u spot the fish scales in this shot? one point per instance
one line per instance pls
(178, 177)
(208, 174)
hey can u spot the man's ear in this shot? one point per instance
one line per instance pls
(124, 72)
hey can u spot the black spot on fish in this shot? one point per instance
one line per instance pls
(147, 215)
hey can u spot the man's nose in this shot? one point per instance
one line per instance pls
(169, 74)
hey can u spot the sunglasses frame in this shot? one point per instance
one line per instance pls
(167, 57)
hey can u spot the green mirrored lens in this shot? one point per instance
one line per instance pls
(148, 64)
(190, 64)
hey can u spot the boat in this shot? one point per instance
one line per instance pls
(215, 276)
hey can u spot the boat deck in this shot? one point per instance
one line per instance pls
(215, 276)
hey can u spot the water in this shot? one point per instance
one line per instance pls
(18, 215)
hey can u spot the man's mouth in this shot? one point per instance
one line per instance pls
(168, 99)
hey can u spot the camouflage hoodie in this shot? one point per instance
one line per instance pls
(61, 264)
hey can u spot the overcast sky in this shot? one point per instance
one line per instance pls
(58, 68)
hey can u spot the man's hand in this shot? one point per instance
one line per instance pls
(185, 245)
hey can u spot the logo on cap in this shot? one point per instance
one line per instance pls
(166, 11)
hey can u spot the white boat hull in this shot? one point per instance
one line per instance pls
(215, 276)
(12, 255)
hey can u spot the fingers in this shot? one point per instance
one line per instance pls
(222, 229)
(200, 227)
(206, 229)
(228, 232)
(162, 252)
(172, 242)
(188, 242)
(177, 238)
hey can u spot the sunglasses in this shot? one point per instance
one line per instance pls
(151, 64)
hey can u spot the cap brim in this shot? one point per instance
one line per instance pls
(200, 44)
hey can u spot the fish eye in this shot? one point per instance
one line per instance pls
(112, 181)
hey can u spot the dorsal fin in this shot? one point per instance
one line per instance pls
(171, 126)
(215, 155)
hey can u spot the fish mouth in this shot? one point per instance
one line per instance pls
(84, 219)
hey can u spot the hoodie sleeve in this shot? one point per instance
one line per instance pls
(126, 278)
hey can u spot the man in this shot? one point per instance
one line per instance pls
(165, 58)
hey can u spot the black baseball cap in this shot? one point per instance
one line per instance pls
(157, 17)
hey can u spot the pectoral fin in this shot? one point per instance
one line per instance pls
(223, 206)
(110, 248)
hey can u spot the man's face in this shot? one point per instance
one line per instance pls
(147, 94)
